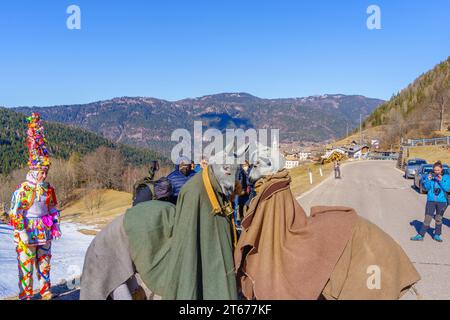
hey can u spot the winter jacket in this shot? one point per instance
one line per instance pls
(431, 185)
(177, 180)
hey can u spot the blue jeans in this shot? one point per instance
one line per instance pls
(431, 209)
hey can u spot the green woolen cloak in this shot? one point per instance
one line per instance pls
(184, 252)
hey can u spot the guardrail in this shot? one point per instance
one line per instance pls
(380, 156)
(424, 142)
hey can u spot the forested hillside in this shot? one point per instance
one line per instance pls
(419, 110)
(63, 141)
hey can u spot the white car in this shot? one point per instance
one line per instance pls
(412, 166)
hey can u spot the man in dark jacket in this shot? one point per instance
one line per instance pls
(182, 173)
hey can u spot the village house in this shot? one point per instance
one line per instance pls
(303, 156)
(292, 161)
(352, 151)
(358, 151)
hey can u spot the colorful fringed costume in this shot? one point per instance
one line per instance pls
(34, 216)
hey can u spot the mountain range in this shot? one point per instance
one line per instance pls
(149, 122)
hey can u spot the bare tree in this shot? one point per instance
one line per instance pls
(395, 130)
(131, 175)
(63, 176)
(104, 167)
(93, 198)
(442, 101)
(8, 185)
(5, 193)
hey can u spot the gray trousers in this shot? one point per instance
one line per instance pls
(337, 172)
(436, 209)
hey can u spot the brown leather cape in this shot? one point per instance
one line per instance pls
(282, 253)
(333, 254)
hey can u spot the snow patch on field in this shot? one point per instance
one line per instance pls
(67, 257)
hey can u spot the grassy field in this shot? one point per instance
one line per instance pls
(97, 208)
(300, 177)
(430, 153)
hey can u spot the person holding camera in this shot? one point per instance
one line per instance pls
(437, 186)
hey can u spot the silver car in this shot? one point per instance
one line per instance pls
(425, 170)
(412, 166)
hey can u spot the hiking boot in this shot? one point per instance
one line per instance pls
(437, 237)
(417, 237)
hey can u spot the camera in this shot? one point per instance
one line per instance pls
(434, 176)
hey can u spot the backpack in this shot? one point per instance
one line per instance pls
(147, 190)
(143, 190)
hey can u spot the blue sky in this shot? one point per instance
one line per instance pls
(188, 48)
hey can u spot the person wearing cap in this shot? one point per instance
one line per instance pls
(34, 216)
(178, 178)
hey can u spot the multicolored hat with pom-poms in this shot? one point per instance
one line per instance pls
(38, 156)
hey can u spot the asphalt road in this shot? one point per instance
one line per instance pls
(378, 192)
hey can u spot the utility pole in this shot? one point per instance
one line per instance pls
(360, 129)
(442, 111)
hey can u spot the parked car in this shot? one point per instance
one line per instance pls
(412, 166)
(424, 170)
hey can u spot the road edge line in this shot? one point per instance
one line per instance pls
(331, 175)
(399, 170)
(322, 182)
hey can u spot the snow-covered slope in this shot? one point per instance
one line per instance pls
(67, 258)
